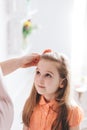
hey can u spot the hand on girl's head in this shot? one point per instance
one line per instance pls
(36, 60)
(33, 61)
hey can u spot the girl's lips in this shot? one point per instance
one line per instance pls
(41, 86)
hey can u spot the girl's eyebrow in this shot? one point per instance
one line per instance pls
(50, 72)
(47, 71)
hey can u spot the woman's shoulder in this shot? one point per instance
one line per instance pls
(75, 115)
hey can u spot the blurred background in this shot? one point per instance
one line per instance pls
(28, 26)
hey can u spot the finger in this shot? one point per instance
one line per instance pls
(33, 63)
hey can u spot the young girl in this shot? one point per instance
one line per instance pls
(49, 106)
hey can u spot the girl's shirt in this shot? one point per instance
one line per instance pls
(45, 113)
(6, 108)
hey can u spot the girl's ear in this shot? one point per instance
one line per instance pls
(62, 82)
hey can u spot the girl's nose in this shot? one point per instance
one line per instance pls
(41, 80)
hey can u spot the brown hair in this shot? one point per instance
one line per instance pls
(62, 94)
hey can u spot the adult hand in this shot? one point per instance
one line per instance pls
(30, 60)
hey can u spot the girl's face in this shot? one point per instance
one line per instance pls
(47, 79)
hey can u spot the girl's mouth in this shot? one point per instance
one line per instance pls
(41, 86)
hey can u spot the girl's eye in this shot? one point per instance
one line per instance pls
(37, 72)
(48, 75)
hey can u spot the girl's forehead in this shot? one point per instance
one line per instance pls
(44, 63)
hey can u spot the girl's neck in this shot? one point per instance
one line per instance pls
(48, 98)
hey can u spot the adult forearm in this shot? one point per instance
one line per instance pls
(10, 65)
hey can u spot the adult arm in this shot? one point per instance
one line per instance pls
(11, 65)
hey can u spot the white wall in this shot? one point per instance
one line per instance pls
(3, 35)
(55, 19)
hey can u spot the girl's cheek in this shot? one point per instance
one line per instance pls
(35, 79)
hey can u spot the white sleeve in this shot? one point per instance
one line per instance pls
(6, 107)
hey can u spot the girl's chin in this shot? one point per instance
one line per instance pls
(40, 92)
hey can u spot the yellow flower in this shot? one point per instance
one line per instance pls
(28, 23)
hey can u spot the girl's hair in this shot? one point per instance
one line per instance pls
(62, 94)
